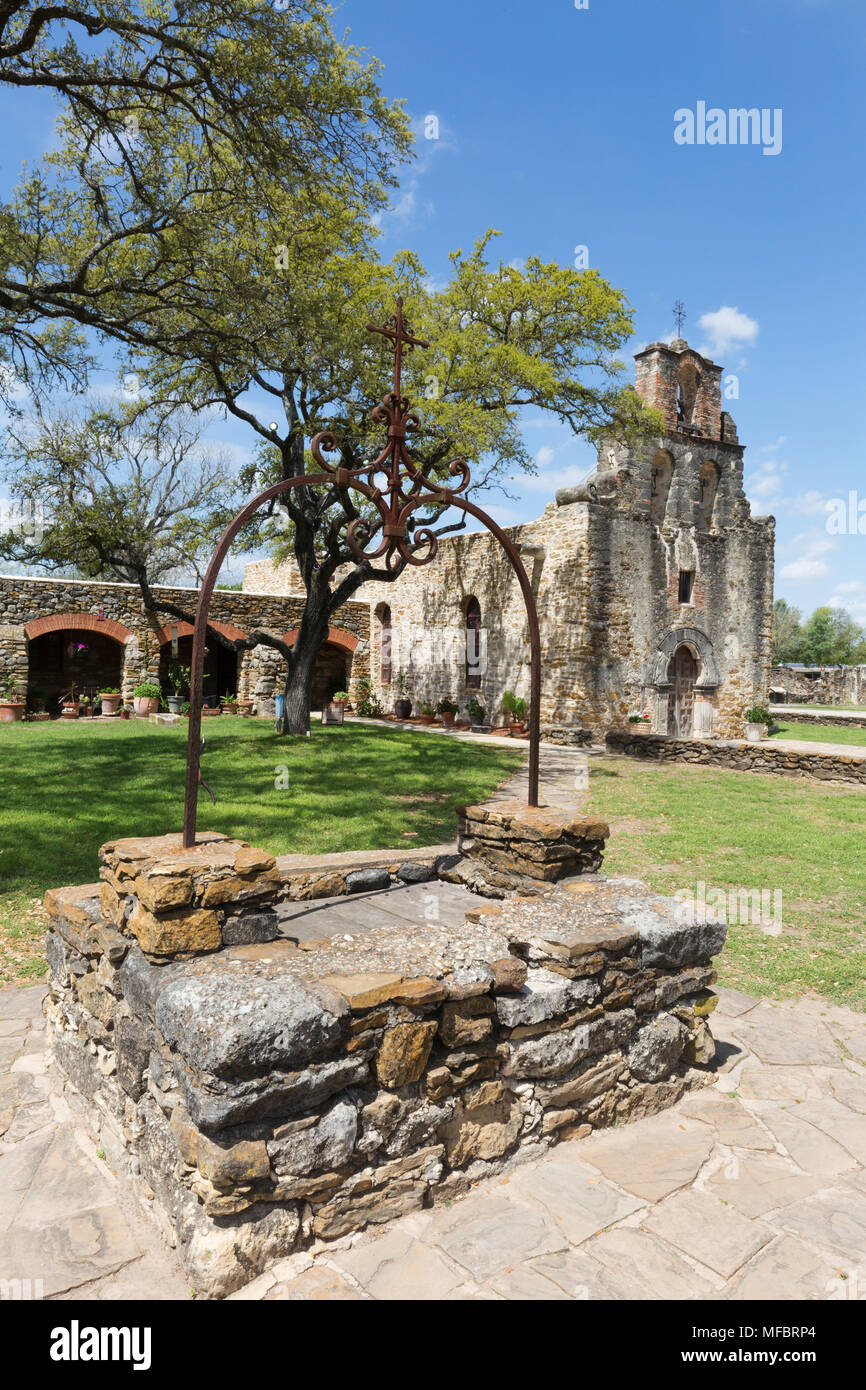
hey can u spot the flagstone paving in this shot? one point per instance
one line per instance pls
(752, 1188)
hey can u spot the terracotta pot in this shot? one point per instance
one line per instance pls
(110, 703)
(70, 711)
(245, 708)
(403, 709)
(448, 718)
(12, 710)
(427, 718)
(145, 704)
(229, 709)
(516, 728)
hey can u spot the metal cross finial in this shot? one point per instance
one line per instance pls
(397, 332)
(679, 316)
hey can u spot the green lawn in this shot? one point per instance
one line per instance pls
(676, 826)
(820, 733)
(67, 788)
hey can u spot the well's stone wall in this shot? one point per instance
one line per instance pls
(265, 1094)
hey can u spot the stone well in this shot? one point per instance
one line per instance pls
(266, 1094)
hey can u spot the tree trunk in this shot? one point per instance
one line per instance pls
(302, 665)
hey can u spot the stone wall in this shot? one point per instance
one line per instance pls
(744, 757)
(264, 1095)
(605, 561)
(34, 607)
(828, 720)
(821, 685)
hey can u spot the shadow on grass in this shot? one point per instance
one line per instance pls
(69, 789)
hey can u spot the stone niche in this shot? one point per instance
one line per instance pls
(265, 1095)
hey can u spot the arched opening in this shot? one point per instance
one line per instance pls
(662, 474)
(220, 667)
(474, 646)
(331, 674)
(688, 387)
(88, 660)
(709, 487)
(383, 639)
(333, 665)
(683, 670)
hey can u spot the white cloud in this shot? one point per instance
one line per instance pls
(803, 569)
(544, 456)
(810, 563)
(728, 328)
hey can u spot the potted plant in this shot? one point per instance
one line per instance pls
(12, 706)
(641, 723)
(71, 704)
(515, 707)
(145, 698)
(86, 710)
(177, 679)
(447, 711)
(245, 706)
(403, 703)
(478, 715)
(229, 704)
(110, 699)
(428, 714)
(758, 721)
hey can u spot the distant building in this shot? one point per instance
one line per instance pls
(653, 580)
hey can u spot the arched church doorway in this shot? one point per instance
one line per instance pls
(682, 674)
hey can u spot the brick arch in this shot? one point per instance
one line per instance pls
(337, 636)
(234, 634)
(87, 622)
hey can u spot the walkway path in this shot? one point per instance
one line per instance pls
(65, 1219)
(833, 750)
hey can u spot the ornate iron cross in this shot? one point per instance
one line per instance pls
(406, 487)
(679, 316)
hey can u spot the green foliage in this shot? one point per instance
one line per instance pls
(758, 715)
(446, 706)
(477, 713)
(830, 637)
(147, 690)
(178, 678)
(368, 702)
(515, 705)
(189, 118)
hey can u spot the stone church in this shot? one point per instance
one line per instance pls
(653, 580)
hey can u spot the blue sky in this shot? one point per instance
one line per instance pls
(556, 127)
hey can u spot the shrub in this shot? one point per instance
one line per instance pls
(368, 703)
(446, 706)
(758, 715)
(148, 690)
(515, 705)
(477, 713)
